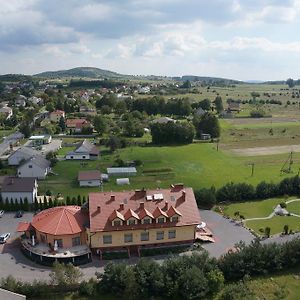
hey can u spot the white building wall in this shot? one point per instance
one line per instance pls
(35, 171)
(19, 195)
(89, 183)
(76, 156)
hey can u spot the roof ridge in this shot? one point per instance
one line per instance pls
(58, 223)
(70, 223)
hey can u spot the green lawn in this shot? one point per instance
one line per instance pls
(276, 224)
(294, 207)
(197, 165)
(253, 209)
(260, 209)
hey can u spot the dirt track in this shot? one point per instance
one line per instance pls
(266, 150)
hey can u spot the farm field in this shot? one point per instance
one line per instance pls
(197, 165)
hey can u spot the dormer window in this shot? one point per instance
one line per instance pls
(161, 220)
(147, 220)
(174, 219)
(117, 222)
(131, 221)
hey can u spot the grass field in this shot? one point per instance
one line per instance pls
(196, 165)
(263, 208)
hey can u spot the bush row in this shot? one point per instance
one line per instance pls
(236, 192)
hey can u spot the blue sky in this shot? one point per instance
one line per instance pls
(240, 39)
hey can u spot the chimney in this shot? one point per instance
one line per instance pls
(121, 206)
(166, 205)
(99, 209)
(183, 195)
(142, 205)
(179, 186)
(140, 193)
(112, 197)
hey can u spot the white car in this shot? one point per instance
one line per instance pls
(1, 213)
(4, 237)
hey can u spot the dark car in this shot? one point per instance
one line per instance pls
(19, 214)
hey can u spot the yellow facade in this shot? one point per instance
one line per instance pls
(183, 233)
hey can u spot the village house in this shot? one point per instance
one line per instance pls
(139, 219)
(35, 100)
(36, 166)
(87, 110)
(89, 178)
(7, 111)
(163, 120)
(21, 155)
(84, 151)
(56, 115)
(17, 189)
(77, 125)
(39, 140)
(20, 101)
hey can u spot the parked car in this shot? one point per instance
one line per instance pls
(1, 213)
(19, 214)
(4, 237)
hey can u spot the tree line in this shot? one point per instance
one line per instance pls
(237, 192)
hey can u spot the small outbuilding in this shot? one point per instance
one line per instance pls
(89, 178)
(117, 171)
(123, 181)
(39, 140)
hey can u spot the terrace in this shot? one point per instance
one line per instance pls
(43, 254)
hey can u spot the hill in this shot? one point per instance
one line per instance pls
(81, 72)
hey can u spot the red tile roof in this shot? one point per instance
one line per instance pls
(89, 175)
(181, 199)
(57, 112)
(23, 226)
(115, 214)
(131, 214)
(78, 123)
(60, 220)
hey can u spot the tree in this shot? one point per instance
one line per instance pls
(205, 104)
(65, 274)
(113, 143)
(286, 229)
(255, 95)
(100, 124)
(186, 85)
(25, 129)
(208, 123)
(206, 198)
(267, 231)
(62, 123)
(290, 82)
(219, 104)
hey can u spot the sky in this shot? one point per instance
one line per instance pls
(238, 39)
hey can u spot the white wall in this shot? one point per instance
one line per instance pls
(19, 195)
(35, 171)
(82, 156)
(89, 183)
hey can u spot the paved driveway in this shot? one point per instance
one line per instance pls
(226, 233)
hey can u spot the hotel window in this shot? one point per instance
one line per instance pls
(174, 219)
(76, 241)
(147, 221)
(172, 234)
(159, 235)
(131, 222)
(128, 238)
(144, 236)
(107, 239)
(59, 243)
(117, 223)
(30, 166)
(161, 220)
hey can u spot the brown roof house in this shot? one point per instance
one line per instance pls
(89, 178)
(17, 189)
(84, 151)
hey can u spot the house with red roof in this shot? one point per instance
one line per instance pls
(77, 125)
(56, 115)
(143, 218)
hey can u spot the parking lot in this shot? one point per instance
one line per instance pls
(8, 223)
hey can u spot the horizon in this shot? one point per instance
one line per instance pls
(145, 75)
(227, 39)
